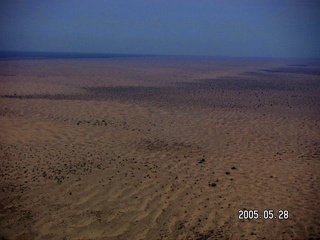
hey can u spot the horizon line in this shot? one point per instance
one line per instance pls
(21, 54)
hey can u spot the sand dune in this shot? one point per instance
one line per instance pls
(158, 149)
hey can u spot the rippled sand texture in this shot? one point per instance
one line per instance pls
(155, 148)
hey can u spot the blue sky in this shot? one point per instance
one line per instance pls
(258, 28)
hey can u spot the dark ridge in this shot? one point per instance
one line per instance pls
(106, 93)
(294, 70)
(49, 96)
(240, 83)
(19, 55)
(103, 93)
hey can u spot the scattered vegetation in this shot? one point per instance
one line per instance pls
(202, 160)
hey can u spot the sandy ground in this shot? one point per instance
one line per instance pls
(155, 148)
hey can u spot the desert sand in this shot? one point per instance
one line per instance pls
(159, 148)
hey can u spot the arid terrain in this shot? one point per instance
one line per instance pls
(159, 148)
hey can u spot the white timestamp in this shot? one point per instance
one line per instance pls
(268, 214)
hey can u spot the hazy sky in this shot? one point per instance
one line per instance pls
(266, 28)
